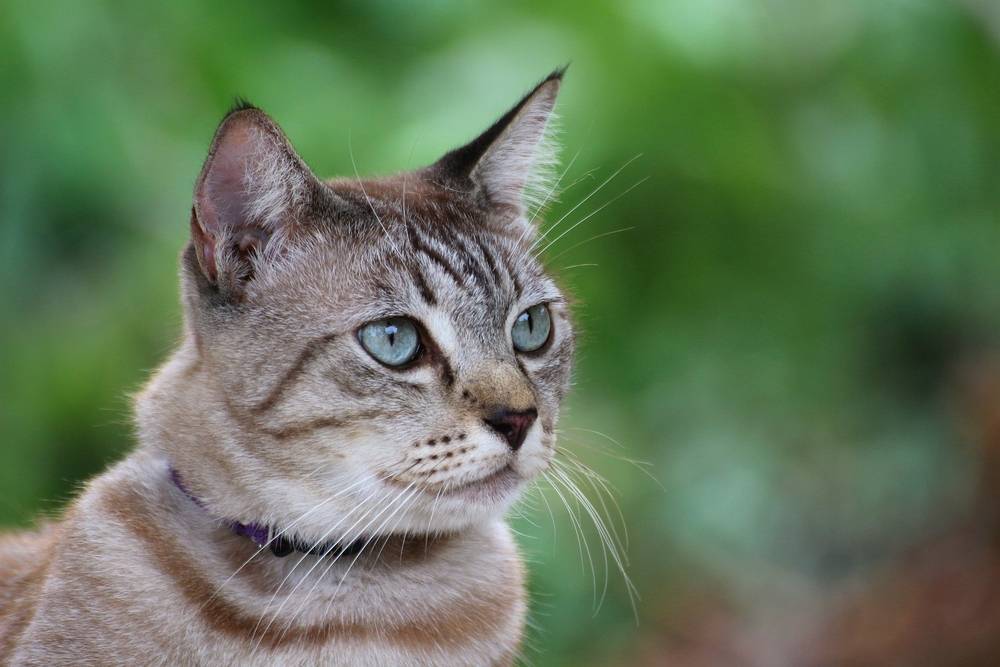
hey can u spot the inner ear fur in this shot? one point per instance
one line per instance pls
(252, 190)
(510, 165)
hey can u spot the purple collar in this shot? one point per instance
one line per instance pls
(266, 536)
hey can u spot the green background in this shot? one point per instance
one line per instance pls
(775, 333)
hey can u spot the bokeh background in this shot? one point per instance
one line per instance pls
(791, 329)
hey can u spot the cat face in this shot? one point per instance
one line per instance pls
(389, 354)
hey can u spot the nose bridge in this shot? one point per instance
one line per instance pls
(500, 384)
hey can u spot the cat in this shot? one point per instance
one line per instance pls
(369, 375)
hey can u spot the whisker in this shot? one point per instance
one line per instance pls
(388, 536)
(601, 487)
(415, 492)
(599, 433)
(552, 517)
(588, 240)
(430, 521)
(574, 492)
(582, 202)
(548, 195)
(350, 150)
(581, 539)
(280, 533)
(318, 560)
(592, 214)
(641, 466)
(335, 559)
(302, 559)
(409, 159)
(604, 533)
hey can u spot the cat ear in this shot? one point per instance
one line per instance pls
(252, 190)
(510, 164)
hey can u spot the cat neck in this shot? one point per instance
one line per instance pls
(279, 541)
(417, 592)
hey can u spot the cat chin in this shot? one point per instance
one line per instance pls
(425, 511)
(469, 505)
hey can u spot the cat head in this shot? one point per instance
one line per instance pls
(389, 350)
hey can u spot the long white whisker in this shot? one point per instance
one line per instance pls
(641, 466)
(601, 487)
(605, 536)
(404, 500)
(552, 517)
(592, 214)
(588, 240)
(388, 536)
(295, 567)
(571, 488)
(319, 560)
(280, 533)
(409, 158)
(350, 150)
(430, 521)
(607, 437)
(582, 201)
(548, 195)
(304, 556)
(581, 538)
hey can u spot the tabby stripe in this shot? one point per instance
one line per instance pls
(520, 366)
(509, 265)
(438, 259)
(308, 352)
(447, 375)
(490, 262)
(250, 424)
(472, 264)
(302, 428)
(425, 290)
(426, 293)
(292, 430)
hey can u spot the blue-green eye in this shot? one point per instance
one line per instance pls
(394, 341)
(531, 328)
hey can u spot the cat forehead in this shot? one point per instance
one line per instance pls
(412, 196)
(405, 244)
(411, 218)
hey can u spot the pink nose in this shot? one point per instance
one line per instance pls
(512, 425)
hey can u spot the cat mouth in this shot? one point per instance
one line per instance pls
(494, 484)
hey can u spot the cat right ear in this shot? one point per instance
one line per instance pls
(509, 166)
(252, 191)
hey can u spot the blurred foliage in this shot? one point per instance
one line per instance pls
(814, 251)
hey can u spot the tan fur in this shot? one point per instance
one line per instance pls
(273, 413)
(135, 585)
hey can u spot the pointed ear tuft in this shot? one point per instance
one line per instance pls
(510, 165)
(252, 188)
(241, 103)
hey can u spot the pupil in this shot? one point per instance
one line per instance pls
(390, 332)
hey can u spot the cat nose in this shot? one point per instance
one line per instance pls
(512, 425)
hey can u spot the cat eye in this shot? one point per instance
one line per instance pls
(393, 341)
(531, 328)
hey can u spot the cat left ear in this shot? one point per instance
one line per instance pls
(510, 164)
(252, 189)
